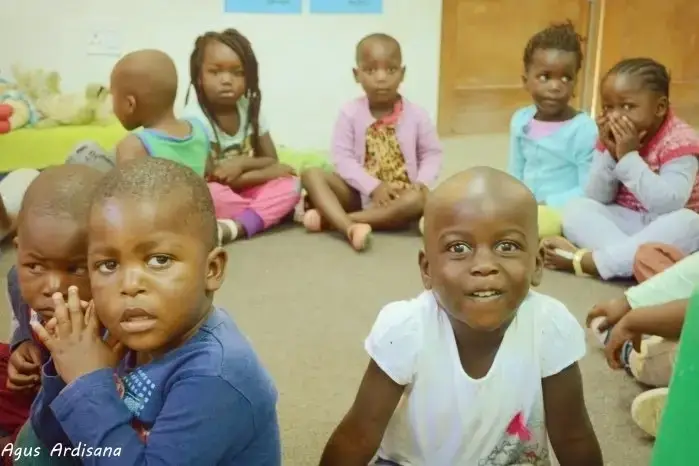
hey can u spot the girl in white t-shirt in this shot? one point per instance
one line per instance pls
(478, 369)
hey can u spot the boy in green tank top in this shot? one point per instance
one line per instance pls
(144, 87)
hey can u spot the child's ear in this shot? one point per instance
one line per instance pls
(538, 268)
(355, 72)
(662, 107)
(131, 102)
(425, 270)
(216, 269)
(524, 79)
(15, 241)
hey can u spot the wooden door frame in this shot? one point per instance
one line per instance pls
(447, 72)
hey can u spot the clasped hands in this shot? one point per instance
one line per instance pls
(618, 134)
(73, 336)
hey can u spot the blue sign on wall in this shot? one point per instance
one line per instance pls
(273, 7)
(347, 7)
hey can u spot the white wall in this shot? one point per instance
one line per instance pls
(306, 60)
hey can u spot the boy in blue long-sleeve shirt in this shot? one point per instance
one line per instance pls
(551, 143)
(189, 389)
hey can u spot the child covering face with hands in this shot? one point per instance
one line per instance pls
(643, 185)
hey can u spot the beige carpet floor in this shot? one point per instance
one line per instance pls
(307, 302)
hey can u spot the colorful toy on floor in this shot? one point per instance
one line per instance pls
(21, 111)
(6, 112)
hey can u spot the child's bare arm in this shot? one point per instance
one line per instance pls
(567, 422)
(267, 147)
(130, 148)
(664, 320)
(356, 440)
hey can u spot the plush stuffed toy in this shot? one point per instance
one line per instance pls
(16, 111)
(93, 107)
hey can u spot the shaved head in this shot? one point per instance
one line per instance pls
(368, 43)
(483, 186)
(152, 179)
(62, 190)
(150, 76)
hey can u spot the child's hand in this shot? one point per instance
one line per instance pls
(282, 170)
(620, 334)
(76, 347)
(226, 172)
(383, 194)
(24, 367)
(420, 187)
(612, 311)
(626, 137)
(605, 133)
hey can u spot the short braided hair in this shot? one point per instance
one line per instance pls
(653, 75)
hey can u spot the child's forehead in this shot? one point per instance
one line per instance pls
(57, 236)
(621, 84)
(477, 215)
(553, 58)
(379, 49)
(215, 50)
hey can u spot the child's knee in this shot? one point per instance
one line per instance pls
(313, 174)
(578, 211)
(412, 203)
(690, 220)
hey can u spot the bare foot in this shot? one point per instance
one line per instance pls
(359, 236)
(312, 221)
(552, 249)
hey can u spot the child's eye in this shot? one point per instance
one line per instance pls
(459, 248)
(542, 78)
(107, 266)
(626, 107)
(78, 270)
(507, 247)
(565, 79)
(35, 267)
(159, 261)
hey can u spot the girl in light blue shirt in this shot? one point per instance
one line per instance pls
(551, 143)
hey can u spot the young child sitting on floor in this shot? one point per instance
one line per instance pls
(144, 87)
(478, 369)
(649, 317)
(551, 143)
(175, 381)
(386, 153)
(643, 186)
(251, 189)
(51, 256)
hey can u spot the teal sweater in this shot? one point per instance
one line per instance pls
(555, 167)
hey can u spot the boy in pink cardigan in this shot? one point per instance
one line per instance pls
(385, 150)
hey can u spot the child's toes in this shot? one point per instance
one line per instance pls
(312, 221)
(359, 236)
